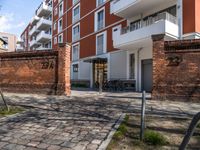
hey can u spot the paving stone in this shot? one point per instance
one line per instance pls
(98, 142)
(2, 144)
(68, 144)
(54, 147)
(92, 147)
(33, 144)
(43, 145)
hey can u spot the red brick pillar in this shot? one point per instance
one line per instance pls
(158, 62)
(64, 87)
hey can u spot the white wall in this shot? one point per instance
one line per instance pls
(118, 65)
(84, 70)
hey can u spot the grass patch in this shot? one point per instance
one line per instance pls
(122, 130)
(13, 110)
(154, 138)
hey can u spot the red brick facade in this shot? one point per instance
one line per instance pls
(87, 25)
(36, 72)
(176, 69)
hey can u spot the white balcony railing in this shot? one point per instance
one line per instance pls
(34, 20)
(44, 9)
(44, 24)
(33, 30)
(43, 37)
(33, 43)
(141, 31)
(149, 21)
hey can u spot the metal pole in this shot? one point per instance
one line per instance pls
(100, 83)
(190, 131)
(142, 127)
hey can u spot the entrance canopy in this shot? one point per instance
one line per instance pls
(96, 60)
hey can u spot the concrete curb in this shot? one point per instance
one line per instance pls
(106, 142)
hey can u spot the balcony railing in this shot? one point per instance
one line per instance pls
(43, 35)
(149, 21)
(44, 6)
(100, 49)
(100, 25)
(76, 18)
(76, 37)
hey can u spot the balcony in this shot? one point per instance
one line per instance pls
(34, 43)
(44, 24)
(34, 20)
(33, 31)
(44, 10)
(129, 8)
(43, 37)
(139, 33)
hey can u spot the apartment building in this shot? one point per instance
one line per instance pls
(11, 41)
(111, 40)
(38, 35)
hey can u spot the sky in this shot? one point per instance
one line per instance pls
(16, 14)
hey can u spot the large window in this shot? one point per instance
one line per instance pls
(100, 19)
(60, 38)
(76, 32)
(61, 9)
(101, 43)
(75, 52)
(76, 13)
(75, 1)
(60, 25)
(99, 2)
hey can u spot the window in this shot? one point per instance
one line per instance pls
(132, 66)
(55, 11)
(61, 9)
(75, 52)
(99, 2)
(101, 43)
(55, 40)
(75, 68)
(76, 13)
(54, 26)
(75, 1)
(60, 38)
(60, 25)
(76, 32)
(100, 19)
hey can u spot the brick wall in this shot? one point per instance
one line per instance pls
(46, 72)
(176, 69)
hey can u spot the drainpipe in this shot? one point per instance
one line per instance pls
(138, 67)
(180, 18)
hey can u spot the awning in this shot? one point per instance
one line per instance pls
(96, 60)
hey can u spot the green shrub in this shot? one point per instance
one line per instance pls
(122, 128)
(154, 138)
(126, 119)
(118, 135)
